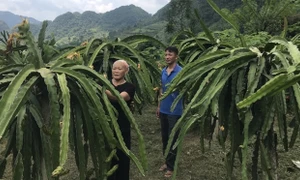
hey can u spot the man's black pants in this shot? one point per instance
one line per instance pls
(167, 123)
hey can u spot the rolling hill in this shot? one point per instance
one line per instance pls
(12, 19)
(3, 26)
(77, 27)
(74, 28)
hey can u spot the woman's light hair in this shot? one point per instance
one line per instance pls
(124, 63)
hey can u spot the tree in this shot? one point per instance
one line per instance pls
(258, 15)
(179, 15)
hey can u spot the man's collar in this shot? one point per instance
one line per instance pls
(176, 68)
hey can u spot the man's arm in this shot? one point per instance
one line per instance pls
(158, 106)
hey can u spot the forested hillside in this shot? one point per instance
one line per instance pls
(123, 17)
(74, 28)
(3, 26)
(180, 14)
(12, 19)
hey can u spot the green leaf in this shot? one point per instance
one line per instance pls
(265, 161)
(254, 75)
(30, 160)
(181, 136)
(55, 114)
(119, 134)
(96, 52)
(42, 34)
(18, 167)
(64, 55)
(281, 111)
(195, 69)
(87, 126)
(37, 115)
(6, 151)
(204, 27)
(92, 95)
(19, 132)
(236, 59)
(275, 85)
(79, 150)
(123, 104)
(64, 137)
(10, 100)
(285, 28)
(11, 68)
(292, 48)
(89, 48)
(137, 39)
(294, 97)
(228, 19)
(62, 62)
(248, 118)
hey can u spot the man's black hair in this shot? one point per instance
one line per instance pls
(172, 49)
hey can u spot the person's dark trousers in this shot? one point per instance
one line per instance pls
(167, 123)
(122, 173)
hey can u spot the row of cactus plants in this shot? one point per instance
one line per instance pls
(244, 87)
(53, 103)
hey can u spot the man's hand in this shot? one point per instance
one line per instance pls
(158, 107)
(157, 112)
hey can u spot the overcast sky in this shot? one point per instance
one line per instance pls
(49, 9)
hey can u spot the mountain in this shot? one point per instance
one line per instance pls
(76, 27)
(12, 19)
(155, 26)
(124, 16)
(152, 26)
(3, 26)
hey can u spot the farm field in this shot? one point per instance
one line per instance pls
(56, 114)
(193, 164)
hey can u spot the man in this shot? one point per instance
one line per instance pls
(126, 90)
(167, 117)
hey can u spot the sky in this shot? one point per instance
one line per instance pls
(49, 9)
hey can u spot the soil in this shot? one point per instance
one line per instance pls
(193, 164)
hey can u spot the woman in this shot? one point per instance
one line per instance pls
(126, 90)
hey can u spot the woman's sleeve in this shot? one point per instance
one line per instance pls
(130, 90)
